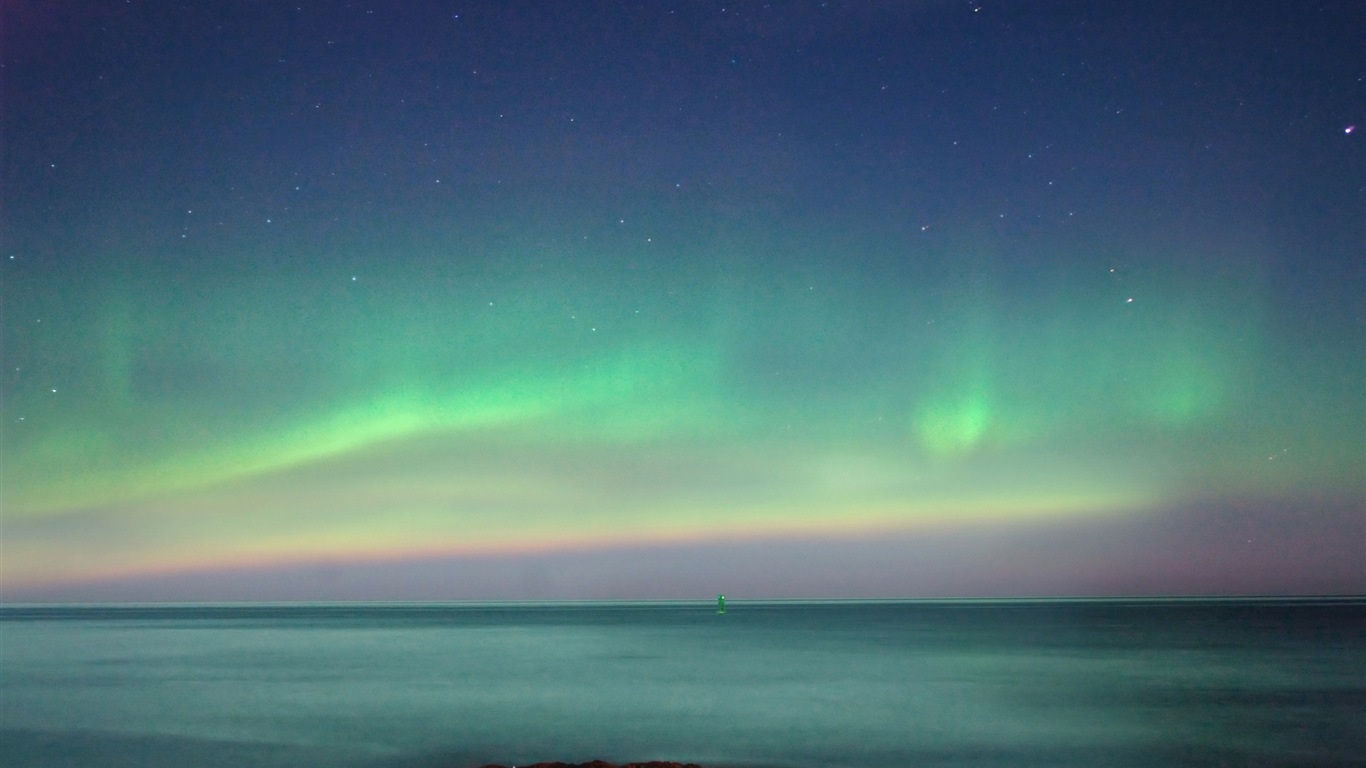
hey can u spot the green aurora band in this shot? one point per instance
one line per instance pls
(571, 398)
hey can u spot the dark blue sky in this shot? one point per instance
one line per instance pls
(390, 291)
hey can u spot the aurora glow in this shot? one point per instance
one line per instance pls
(369, 289)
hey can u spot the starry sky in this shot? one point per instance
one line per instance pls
(550, 300)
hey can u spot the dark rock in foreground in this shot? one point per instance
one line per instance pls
(601, 764)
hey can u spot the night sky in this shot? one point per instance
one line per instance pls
(535, 300)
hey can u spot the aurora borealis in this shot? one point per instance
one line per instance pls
(432, 300)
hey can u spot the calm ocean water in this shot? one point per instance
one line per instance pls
(1192, 683)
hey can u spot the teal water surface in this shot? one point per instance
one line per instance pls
(779, 685)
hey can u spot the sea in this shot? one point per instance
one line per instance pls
(1085, 683)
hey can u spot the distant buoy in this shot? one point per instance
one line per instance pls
(720, 603)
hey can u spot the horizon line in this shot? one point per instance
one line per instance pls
(700, 601)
